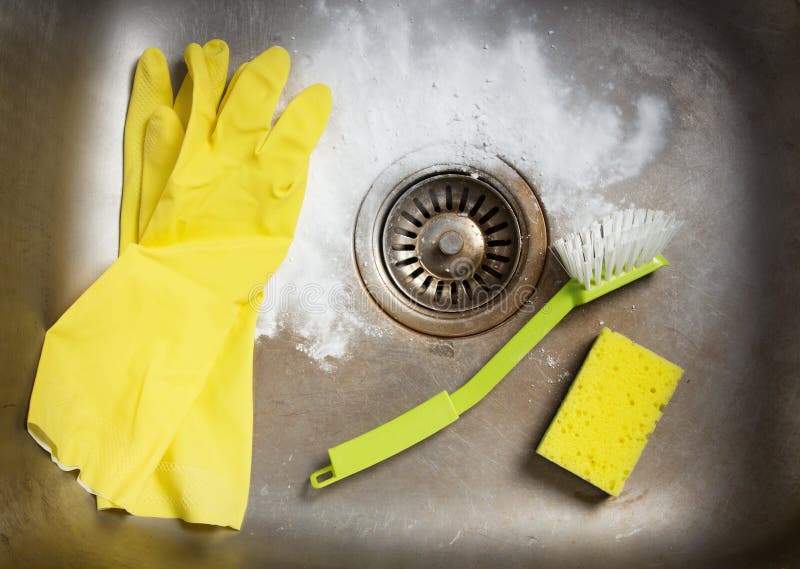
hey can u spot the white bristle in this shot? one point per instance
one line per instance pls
(621, 242)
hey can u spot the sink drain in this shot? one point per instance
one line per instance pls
(451, 242)
(451, 249)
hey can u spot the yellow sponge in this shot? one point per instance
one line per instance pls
(611, 408)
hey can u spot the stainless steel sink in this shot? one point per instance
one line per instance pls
(719, 484)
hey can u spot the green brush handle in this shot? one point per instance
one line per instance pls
(442, 409)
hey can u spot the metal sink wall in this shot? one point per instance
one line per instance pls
(718, 485)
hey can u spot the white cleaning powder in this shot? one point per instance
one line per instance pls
(392, 96)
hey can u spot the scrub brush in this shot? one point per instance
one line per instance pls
(603, 257)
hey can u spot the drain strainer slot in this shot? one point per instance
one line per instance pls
(451, 249)
(451, 242)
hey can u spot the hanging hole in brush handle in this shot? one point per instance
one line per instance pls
(323, 477)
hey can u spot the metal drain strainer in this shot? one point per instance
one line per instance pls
(451, 242)
(451, 249)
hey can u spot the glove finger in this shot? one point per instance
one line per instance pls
(204, 107)
(248, 110)
(217, 55)
(151, 88)
(231, 87)
(285, 154)
(297, 132)
(162, 145)
(217, 58)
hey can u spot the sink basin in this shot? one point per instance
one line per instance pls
(668, 105)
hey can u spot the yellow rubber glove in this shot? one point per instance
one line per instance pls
(154, 130)
(145, 353)
(208, 423)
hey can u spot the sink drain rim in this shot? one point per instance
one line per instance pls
(426, 163)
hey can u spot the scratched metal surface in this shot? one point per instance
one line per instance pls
(719, 484)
